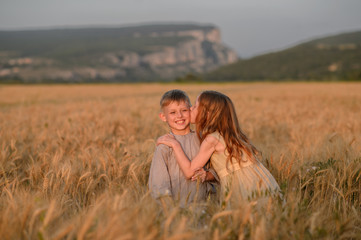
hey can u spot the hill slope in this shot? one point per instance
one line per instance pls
(139, 53)
(335, 57)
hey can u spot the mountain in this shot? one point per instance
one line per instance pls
(331, 58)
(138, 53)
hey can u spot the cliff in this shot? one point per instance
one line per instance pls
(141, 53)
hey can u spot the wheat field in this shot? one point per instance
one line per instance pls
(74, 163)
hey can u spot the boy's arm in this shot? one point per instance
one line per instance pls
(206, 173)
(211, 175)
(159, 180)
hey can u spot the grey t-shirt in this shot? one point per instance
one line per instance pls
(166, 178)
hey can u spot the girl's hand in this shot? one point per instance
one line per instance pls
(201, 174)
(167, 139)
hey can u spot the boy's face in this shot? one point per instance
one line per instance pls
(177, 115)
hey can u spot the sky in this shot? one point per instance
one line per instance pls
(250, 27)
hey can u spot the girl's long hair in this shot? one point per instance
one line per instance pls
(216, 112)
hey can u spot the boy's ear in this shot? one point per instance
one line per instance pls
(162, 117)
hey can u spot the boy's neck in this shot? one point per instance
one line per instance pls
(183, 132)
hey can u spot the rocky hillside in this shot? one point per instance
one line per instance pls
(141, 53)
(331, 58)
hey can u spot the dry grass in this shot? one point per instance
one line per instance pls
(74, 163)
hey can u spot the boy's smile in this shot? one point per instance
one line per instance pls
(177, 115)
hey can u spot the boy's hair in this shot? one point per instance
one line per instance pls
(174, 95)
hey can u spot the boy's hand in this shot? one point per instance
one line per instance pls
(167, 139)
(200, 174)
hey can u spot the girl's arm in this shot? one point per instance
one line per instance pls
(189, 167)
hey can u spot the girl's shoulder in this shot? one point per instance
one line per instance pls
(212, 137)
(217, 141)
(215, 135)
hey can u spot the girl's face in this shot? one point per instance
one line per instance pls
(194, 111)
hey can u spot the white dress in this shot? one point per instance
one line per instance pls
(248, 181)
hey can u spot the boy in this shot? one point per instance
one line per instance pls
(166, 179)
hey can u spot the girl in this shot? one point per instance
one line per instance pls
(232, 155)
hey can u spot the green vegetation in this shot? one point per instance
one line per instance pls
(189, 78)
(117, 54)
(61, 55)
(332, 58)
(80, 46)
